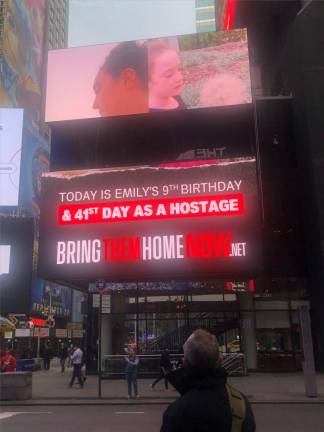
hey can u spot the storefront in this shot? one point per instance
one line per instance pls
(263, 325)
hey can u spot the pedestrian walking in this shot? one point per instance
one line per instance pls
(70, 352)
(165, 368)
(48, 355)
(76, 359)
(84, 365)
(131, 373)
(63, 354)
(207, 403)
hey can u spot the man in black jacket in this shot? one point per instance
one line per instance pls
(204, 404)
(165, 367)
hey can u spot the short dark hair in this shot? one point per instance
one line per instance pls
(127, 55)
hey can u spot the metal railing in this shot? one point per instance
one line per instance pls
(234, 364)
(113, 366)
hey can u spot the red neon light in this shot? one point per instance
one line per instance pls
(38, 322)
(202, 245)
(178, 207)
(229, 286)
(251, 285)
(229, 14)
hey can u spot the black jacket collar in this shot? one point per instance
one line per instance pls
(186, 379)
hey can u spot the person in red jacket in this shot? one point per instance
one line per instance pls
(7, 362)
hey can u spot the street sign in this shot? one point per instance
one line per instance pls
(41, 332)
(106, 302)
(61, 333)
(100, 286)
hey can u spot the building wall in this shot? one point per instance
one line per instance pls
(21, 66)
(304, 73)
(57, 27)
(205, 16)
(27, 30)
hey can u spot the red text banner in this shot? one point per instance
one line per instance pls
(221, 205)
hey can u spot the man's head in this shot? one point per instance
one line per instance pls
(121, 85)
(201, 350)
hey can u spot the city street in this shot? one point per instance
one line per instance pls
(145, 418)
(161, 215)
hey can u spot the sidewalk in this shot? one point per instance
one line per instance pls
(51, 387)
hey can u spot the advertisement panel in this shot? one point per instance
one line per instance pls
(4, 259)
(16, 237)
(42, 332)
(35, 161)
(22, 333)
(198, 220)
(21, 64)
(51, 298)
(176, 73)
(11, 126)
(61, 333)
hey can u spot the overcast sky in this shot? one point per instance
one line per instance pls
(103, 21)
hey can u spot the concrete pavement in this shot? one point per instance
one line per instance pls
(269, 418)
(51, 387)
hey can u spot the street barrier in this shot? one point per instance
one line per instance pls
(113, 366)
(15, 386)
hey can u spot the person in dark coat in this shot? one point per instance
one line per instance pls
(48, 355)
(165, 367)
(63, 355)
(204, 404)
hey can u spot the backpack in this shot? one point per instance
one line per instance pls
(238, 408)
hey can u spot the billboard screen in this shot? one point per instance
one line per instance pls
(178, 221)
(175, 73)
(16, 253)
(35, 161)
(4, 259)
(47, 294)
(22, 56)
(11, 125)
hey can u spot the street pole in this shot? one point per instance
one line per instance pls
(99, 345)
(307, 344)
(38, 344)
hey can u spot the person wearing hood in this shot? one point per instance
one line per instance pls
(206, 403)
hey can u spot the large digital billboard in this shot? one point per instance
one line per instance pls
(16, 253)
(11, 126)
(4, 259)
(175, 73)
(35, 161)
(175, 221)
(21, 62)
(45, 294)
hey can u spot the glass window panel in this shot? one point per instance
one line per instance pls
(230, 297)
(274, 340)
(208, 297)
(272, 320)
(267, 305)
